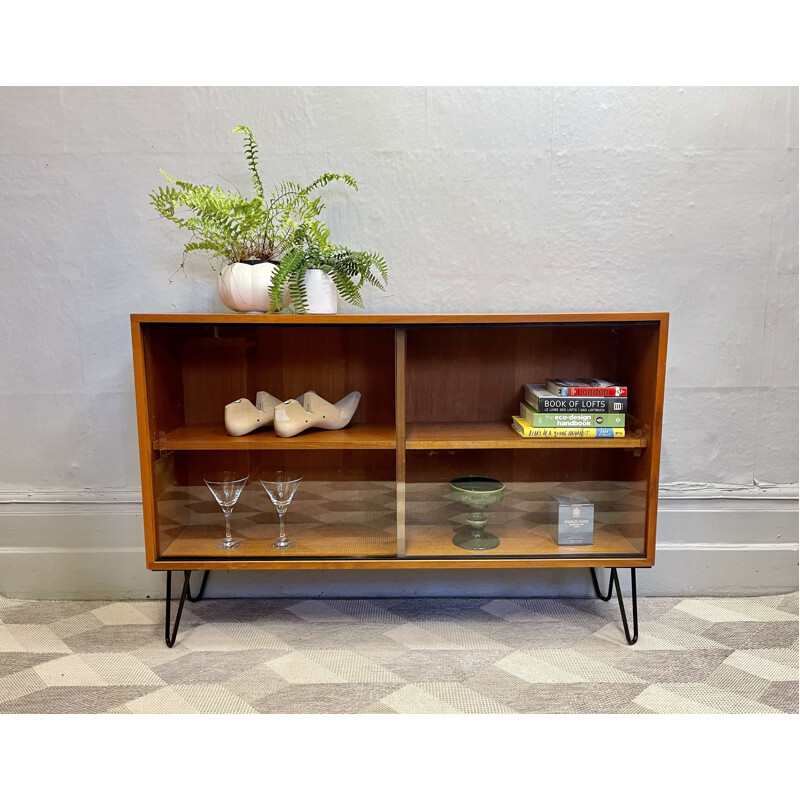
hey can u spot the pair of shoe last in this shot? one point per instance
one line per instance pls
(289, 417)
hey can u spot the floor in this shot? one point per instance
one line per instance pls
(401, 656)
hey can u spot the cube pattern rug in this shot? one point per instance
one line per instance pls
(699, 655)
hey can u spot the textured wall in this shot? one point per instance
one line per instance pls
(491, 199)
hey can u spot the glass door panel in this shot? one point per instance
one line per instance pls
(522, 518)
(344, 507)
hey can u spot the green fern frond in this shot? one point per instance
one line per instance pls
(327, 178)
(298, 291)
(251, 156)
(198, 246)
(381, 265)
(318, 232)
(285, 226)
(184, 185)
(282, 274)
(347, 288)
(373, 280)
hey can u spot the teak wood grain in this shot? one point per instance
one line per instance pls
(499, 436)
(438, 392)
(400, 426)
(210, 436)
(436, 540)
(210, 561)
(198, 541)
(401, 320)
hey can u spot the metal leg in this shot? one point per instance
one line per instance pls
(613, 583)
(597, 591)
(201, 592)
(170, 639)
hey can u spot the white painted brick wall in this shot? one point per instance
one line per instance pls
(491, 199)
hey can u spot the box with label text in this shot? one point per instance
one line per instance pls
(575, 520)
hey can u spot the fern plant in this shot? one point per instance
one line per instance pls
(348, 269)
(233, 228)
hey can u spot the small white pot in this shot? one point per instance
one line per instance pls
(245, 287)
(321, 292)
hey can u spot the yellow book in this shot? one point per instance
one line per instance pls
(524, 428)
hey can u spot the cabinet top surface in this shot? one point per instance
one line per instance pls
(401, 319)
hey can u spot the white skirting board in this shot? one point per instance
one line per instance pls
(76, 547)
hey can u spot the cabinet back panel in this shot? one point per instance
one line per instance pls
(476, 373)
(214, 375)
(317, 465)
(441, 466)
(162, 359)
(637, 368)
(222, 363)
(330, 360)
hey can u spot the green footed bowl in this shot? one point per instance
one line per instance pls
(478, 493)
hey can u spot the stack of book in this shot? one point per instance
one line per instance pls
(572, 408)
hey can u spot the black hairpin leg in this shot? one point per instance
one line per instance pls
(201, 592)
(613, 583)
(185, 593)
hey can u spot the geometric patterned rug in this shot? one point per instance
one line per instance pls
(704, 655)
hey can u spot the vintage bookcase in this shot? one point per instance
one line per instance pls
(438, 393)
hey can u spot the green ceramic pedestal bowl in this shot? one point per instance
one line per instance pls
(476, 492)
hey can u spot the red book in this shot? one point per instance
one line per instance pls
(585, 387)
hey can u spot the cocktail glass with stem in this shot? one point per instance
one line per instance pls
(226, 492)
(281, 488)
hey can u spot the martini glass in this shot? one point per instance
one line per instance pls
(281, 488)
(226, 492)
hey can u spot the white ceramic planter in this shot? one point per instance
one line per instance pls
(321, 292)
(245, 287)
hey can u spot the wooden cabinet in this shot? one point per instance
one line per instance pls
(438, 393)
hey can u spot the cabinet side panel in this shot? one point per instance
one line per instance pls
(641, 365)
(146, 456)
(400, 428)
(654, 451)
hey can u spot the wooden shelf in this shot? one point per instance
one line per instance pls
(518, 540)
(199, 541)
(332, 541)
(215, 437)
(498, 435)
(420, 436)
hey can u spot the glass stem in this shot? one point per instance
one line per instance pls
(282, 534)
(227, 512)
